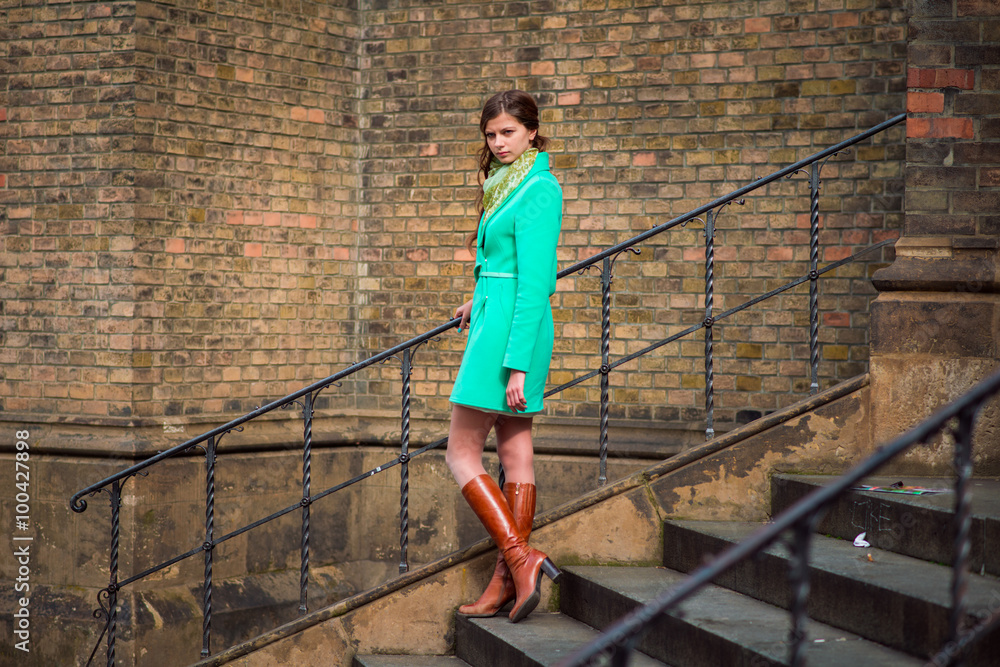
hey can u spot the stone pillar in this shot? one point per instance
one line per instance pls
(936, 322)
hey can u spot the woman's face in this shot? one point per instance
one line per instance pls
(508, 138)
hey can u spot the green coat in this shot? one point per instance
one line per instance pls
(511, 319)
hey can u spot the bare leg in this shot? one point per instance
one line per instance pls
(466, 438)
(515, 449)
(519, 565)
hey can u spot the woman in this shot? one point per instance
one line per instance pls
(506, 362)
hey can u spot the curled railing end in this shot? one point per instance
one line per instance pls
(78, 504)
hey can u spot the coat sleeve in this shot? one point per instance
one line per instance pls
(536, 233)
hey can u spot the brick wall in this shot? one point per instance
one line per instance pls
(181, 193)
(67, 94)
(208, 209)
(654, 109)
(246, 149)
(953, 79)
(936, 323)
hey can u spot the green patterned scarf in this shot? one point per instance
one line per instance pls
(504, 179)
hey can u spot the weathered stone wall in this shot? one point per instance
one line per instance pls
(620, 523)
(354, 543)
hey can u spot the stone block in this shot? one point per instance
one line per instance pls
(908, 388)
(962, 326)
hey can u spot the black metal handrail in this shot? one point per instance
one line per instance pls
(618, 641)
(306, 397)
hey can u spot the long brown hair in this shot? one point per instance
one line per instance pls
(520, 106)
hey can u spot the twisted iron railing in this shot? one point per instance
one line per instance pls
(307, 396)
(614, 646)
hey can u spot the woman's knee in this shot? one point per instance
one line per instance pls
(518, 464)
(455, 459)
(466, 438)
(514, 448)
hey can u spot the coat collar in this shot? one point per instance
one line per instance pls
(541, 164)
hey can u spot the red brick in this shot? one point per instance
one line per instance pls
(644, 160)
(757, 25)
(780, 254)
(543, 68)
(941, 78)
(845, 20)
(924, 102)
(253, 250)
(833, 254)
(693, 254)
(939, 128)
(837, 319)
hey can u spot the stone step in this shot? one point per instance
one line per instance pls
(918, 526)
(889, 598)
(539, 640)
(715, 627)
(408, 661)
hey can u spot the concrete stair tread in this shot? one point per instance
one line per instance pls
(887, 570)
(717, 614)
(408, 661)
(985, 492)
(919, 526)
(889, 598)
(541, 639)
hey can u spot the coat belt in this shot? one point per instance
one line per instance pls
(496, 274)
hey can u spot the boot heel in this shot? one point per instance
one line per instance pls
(551, 571)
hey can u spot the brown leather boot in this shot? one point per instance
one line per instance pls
(500, 590)
(526, 565)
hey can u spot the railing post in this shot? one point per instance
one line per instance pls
(307, 421)
(602, 477)
(208, 546)
(404, 465)
(963, 517)
(709, 322)
(814, 183)
(799, 576)
(622, 655)
(116, 503)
